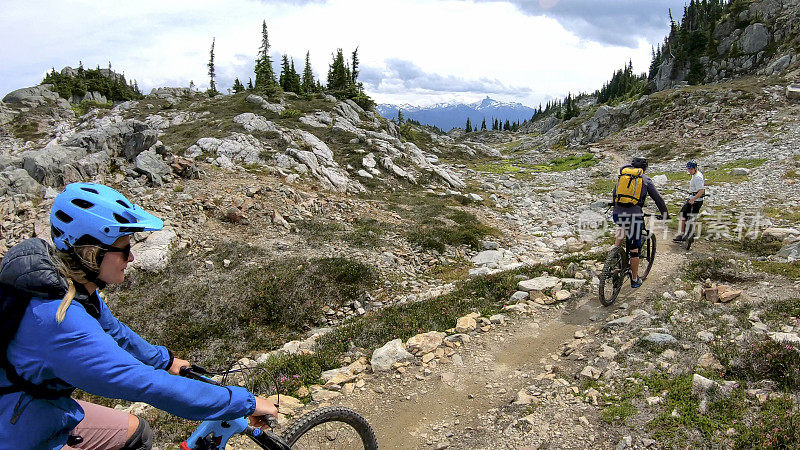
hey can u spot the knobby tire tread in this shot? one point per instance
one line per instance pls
(650, 251)
(332, 414)
(613, 259)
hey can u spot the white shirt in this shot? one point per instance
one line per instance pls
(698, 182)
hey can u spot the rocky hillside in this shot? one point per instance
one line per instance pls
(450, 278)
(752, 37)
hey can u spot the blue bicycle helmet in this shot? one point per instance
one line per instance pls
(692, 164)
(90, 209)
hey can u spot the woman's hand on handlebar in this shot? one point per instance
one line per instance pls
(176, 366)
(264, 408)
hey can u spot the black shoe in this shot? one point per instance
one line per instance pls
(636, 283)
(679, 238)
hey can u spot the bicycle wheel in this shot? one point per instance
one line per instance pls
(687, 242)
(648, 255)
(612, 277)
(331, 427)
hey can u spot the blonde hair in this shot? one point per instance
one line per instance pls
(72, 266)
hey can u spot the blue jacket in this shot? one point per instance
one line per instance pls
(100, 355)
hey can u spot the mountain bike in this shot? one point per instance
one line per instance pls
(327, 427)
(691, 227)
(617, 266)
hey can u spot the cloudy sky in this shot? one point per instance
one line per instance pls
(411, 51)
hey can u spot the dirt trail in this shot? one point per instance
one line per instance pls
(409, 410)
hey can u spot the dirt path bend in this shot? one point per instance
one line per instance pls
(447, 402)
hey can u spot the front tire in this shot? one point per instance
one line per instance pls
(612, 277)
(331, 427)
(648, 254)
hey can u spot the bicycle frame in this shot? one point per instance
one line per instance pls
(214, 434)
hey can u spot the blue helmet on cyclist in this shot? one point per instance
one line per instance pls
(97, 214)
(692, 164)
(639, 162)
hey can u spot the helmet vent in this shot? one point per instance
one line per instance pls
(121, 219)
(124, 204)
(62, 216)
(56, 232)
(81, 203)
(93, 191)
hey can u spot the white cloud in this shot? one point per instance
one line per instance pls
(454, 49)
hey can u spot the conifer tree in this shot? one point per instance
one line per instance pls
(212, 87)
(308, 85)
(400, 118)
(285, 78)
(295, 81)
(483, 124)
(469, 126)
(265, 75)
(250, 84)
(237, 86)
(338, 78)
(354, 72)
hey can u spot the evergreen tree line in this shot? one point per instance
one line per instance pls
(624, 83)
(693, 37)
(496, 125)
(93, 80)
(566, 109)
(342, 80)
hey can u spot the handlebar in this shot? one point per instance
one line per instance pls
(221, 430)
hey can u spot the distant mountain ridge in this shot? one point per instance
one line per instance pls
(454, 115)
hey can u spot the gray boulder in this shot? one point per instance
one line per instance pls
(780, 65)
(150, 164)
(790, 251)
(47, 165)
(127, 138)
(252, 122)
(153, 252)
(384, 357)
(19, 182)
(754, 39)
(36, 96)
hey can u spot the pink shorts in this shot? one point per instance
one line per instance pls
(101, 428)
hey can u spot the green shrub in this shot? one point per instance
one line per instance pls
(714, 268)
(775, 425)
(763, 246)
(767, 359)
(289, 113)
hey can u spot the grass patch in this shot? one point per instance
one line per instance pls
(467, 230)
(713, 268)
(601, 186)
(84, 106)
(789, 270)
(782, 213)
(791, 174)
(672, 176)
(720, 415)
(780, 311)
(716, 177)
(747, 163)
(765, 359)
(762, 246)
(262, 305)
(776, 424)
(453, 271)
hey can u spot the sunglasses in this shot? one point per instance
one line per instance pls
(126, 251)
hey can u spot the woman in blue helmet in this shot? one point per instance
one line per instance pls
(67, 338)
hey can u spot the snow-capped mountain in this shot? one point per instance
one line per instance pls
(454, 115)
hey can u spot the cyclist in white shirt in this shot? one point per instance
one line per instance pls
(697, 190)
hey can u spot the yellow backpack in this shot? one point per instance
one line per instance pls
(630, 187)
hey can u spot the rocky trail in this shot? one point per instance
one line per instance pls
(468, 397)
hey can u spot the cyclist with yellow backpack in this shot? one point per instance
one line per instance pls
(630, 193)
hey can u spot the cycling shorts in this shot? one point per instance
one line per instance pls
(690, 210)
(633, 224)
